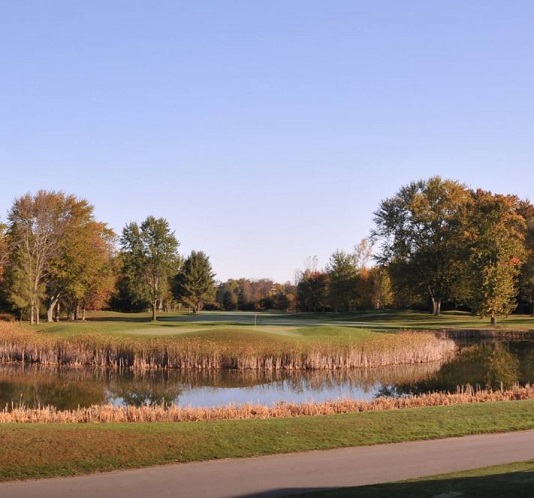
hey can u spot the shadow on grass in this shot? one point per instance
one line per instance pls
(121, 319)
(513, 484)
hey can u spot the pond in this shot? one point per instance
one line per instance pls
(485, 365)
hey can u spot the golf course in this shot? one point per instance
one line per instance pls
(221, 340)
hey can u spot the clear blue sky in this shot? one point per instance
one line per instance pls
(265, 131)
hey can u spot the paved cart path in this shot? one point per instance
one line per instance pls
(282, 475)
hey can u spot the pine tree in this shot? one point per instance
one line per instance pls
(194, 285)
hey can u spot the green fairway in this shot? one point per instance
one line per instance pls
(289, 324)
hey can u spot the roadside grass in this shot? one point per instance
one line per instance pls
(515, 479)
(46, 450)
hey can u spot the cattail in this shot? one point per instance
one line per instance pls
(229, 351)
(114, 414)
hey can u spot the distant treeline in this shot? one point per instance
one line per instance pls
(435, 243)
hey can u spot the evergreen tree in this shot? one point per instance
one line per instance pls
(343, 281)
(194, 285)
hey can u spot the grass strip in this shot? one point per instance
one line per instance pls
(46, 450)
(515, 479)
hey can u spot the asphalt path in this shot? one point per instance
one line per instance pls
(289, 474)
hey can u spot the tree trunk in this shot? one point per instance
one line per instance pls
(51, 308)
(493, 320)
(436, 306)
(155, 285)
(35, 302)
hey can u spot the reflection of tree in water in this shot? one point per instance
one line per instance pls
(66, 388)
(158, 387)
(525, 353)
(144, 388)
(32, 386)
(486, 365)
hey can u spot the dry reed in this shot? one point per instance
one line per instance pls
(194, 353)
(114, 414)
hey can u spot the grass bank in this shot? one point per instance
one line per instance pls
(504, 481)
(224, 348)
(45, 450)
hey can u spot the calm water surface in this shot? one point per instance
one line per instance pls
(489, 364)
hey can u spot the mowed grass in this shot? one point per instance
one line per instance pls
(45, 450)
(327, 325)
(512, 480)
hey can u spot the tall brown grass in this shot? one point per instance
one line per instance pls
(190, 353)
(114, 414)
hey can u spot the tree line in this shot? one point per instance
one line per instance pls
(56, 258)
(435, 242)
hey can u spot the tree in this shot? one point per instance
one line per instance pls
(420, 238)
(227, 295)
(381, 291)
(362, 254)
(3, 250)
(82, 267)
(150, 257)
(38, 226)
(526, 278)
(312, 291)
(194, 285)
(343, 281)
(494, 239)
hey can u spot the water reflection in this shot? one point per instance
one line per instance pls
(484, 365)
(35, 385)
(492, 365)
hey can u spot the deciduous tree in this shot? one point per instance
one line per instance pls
(494, 235)
(38, 227)
(3, 250)
(312, 291)
(526, 278)
(149, 258)
(82, 268)
(381, 290)
(419, 235)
